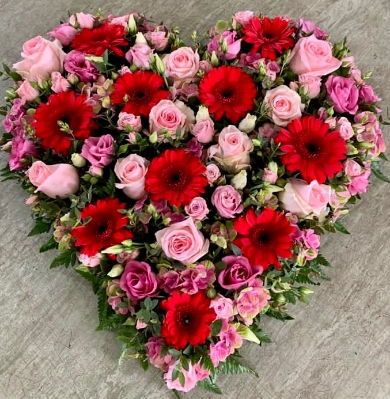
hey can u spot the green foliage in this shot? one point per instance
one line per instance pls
(66, 259)
(51, 244)
(210, 386)
(340, 228)
(232, 366)
(375, 168)
(41, 226)
(279, 315)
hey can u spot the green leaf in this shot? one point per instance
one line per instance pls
(378, 173)
(102, 304)
(66, 259)
(184, 363)
(51, 244)
(176, 393)
(232, 366)
(109, 188)
(182, 379)
(86, 273)
(41, 226)
(216, 327)
(209, 385)
(340, 227)
(278, 315)
(320, 259)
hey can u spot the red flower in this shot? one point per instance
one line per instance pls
(271, 36)
(228, 90)
(64, 118)
(311, 149)
(175, 176)
(264, 237)
(140, 91)
(105, 37)
(105, 226)
(188, 319)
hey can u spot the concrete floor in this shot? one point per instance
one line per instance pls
(338, 345)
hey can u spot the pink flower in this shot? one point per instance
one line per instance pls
(122, 20)
(129, 121)
(223, 307)
(168, 280)
(140, 324)
(138, 281)
(90, 261)
(233, 46)
(233, 149)
(64, 33)
(359, 181)
(197, 208)
(99, 151)
(367, 95)
(269, 176)
(59, 83)
(21, 150)
(166, 115)
(54, 180)
(181, 64)
(183, 242)
(242, 18)
(268, 131)
(194, 374)
(352, 168)
(212, 173)
(230, 335)
(153, 350)
(131, 173)
(310, 239)
(27, 92)
(194, 279)
(205, 66)
(344, 94)
(227, 200)
(204, 130)
(238, 272)
(139, 55)
(41, 58)
(309, 27)
(305, 200)
(344, 127)
(76, 63)
(158, 39)
(82, 20)
(284, 105)
(250, 302)
(311, 84)
(313, 57)
(219, 352)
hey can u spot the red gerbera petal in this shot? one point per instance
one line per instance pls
(65, 117)
(312, 149)
(228, 90)
(270, 36)
(188, 319)
(175, 176)
(264, 238)
(105, 226)
(105, 37)
(139, 91)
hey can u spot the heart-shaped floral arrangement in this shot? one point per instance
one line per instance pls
(190, 185)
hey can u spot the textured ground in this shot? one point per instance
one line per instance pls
(338, 345)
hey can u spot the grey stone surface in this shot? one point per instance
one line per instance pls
(336, 348)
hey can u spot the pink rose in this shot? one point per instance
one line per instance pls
(123, 20)
(27, 92)
(269, 176)
(219, 352)
(284, 105)
(59, 83)
(41, 58)
(344, 127)
(204, 130)
(131, 172)
(250, 302)
(212, 173)
(309, 27)
(359, 181)
(82, 20)
(352, 168)
(238, 272)
(166, 115)
(313, 57)
(233, 149)
(181, 64)
(197, 208)
(98, 151)
(64, 33)
(139, 55)
(183, 242)
(138, 281)
(129, 122)
(158, 39)
(233, 46)
(54, 180)
(194, 374)
(242, 18)
(306, 200)
(367, 95)
(227, 200)
(90, 261)
(153, 350)
(75, 62)
(344, 94)
(311, 84)
(223, 307)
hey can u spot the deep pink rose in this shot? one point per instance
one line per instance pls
(76, 63)
(238, 272)
(197, 208)
(367, 95)
(21, 147)
(26, 92)
(153, 350)
(54, 180)
(59, 83)
(98, 151)
(219, 352)
(344, 94)
(311, 84)
(227, 200)
(309, 27)
(65, 33)
(313, 57)
(139, 55)
(233, 45)
(181, 64)
(138, 281)
(166, 115)
(204, 130)
(82, 20)
(183, 242)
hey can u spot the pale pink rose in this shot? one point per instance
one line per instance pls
(181, 64)
(131, 172)
(227, 200)
(311, 84)
(344, 127)
(123, 70)
(65, 33)
(306, 200)
(95, 171)
(313, 57)
(359, 183)
(183, 242)
(331, 122)
(204, 130)
(219, 352)
(269, 176)
(82, 20)
(59, 83)
(139, 55)
(197, 208)
(352, 168)
(90, 261)
(344, 94)
(284, 105)
(27, 92)
(41, 58)
(154, 349)
(54, 180)
(223, 307)
(233, 149)
(129, 122)
(242, 18)
(158, 39)
(99, 151)
(194, 374)
(250, 302)
(166, 115)
(123, 20)
(212, 173)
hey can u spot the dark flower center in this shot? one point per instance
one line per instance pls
(104, 230)
(309, 147)
(185, 317)
(260, 236)
(175, 179)
(140, 95)
(225, 94)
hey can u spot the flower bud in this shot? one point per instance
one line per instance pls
(239, 181)
(159, 64)
(202, 114)
(140, 39)
(248, 123)
(132, 25)
(153, 138)
(211, 293)
(78, 160)
(116, 271)
(214, 59)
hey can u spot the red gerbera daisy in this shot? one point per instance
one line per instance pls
(264, 237)
(64, 118)
(271, 36)
(311, 149)
(228, 90)
(139, 91)
(105, 226)
(175, 176)
(188, 319)
(105, 37)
